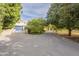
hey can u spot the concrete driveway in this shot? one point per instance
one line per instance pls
(48, 44)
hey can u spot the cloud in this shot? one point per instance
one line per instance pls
(34, 10)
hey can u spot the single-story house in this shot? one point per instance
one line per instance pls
(19, 26)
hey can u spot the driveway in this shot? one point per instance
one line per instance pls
(47, 44)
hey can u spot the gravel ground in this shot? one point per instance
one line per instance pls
(47, 44)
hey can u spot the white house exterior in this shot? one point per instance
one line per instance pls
(20, 26)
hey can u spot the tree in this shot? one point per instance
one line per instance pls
(1, 15)
(11, 16)
(36, 26)
(53, 15)
(67, 16)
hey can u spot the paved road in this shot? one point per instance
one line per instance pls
(48, 44)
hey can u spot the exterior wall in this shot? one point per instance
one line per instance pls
(19, 28)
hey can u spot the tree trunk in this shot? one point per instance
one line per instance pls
(69, 32)
(29, 31)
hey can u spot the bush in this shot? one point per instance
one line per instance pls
(36, 26)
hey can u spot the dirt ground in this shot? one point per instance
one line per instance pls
(74, 36)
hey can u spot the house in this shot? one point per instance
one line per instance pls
(20, 25)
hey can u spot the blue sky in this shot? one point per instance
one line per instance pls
(34, 10)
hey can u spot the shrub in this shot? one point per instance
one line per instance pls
(36, 26)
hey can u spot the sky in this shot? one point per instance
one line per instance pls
(34, 10)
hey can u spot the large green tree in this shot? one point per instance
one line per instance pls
(53, 15)
(2, 12)
(11, 15)
(66, 16)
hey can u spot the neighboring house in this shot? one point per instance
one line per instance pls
(20, 26)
